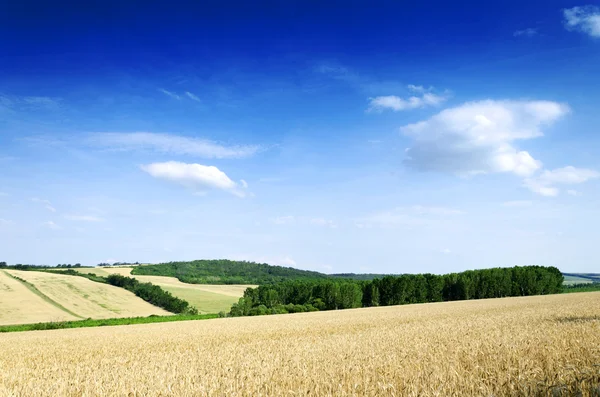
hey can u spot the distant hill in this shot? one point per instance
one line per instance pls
(222, 271)
(581, 278)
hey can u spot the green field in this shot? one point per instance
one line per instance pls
(206, 298)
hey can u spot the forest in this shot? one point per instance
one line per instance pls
(331, 294)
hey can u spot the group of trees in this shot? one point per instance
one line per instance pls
(222, 271)
(105, 264)
(20, 266)
(331, 294)
(152, 294)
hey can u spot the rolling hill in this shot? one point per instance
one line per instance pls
(207, 298)
(29, 297)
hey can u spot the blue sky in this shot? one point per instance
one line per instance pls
(339, 137)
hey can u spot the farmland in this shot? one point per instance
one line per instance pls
(28, 297)
(207, 298)
(508, 346)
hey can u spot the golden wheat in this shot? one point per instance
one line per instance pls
(514, 346)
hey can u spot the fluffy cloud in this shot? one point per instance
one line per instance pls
(194, 176)
(584, 19)
(545, 183)
(477, 137)
(168, 143)
(395, 103)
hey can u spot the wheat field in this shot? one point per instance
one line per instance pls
(548, 345)
(61, 298)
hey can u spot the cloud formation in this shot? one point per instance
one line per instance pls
(478, 137)
(194, 176)
(192, 96)
(168, 143)
(170, 94)
(546, 183)
(47, 204)
(529, 32)
(396, 104)
(584, 19)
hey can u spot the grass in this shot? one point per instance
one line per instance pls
(526, 346)
(207, 298)
(102, 322)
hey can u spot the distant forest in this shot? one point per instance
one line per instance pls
(331, 294)
(222, 271)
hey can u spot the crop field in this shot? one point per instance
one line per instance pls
(543, 345)
(18, 305)
(207, 298)
(45, 297)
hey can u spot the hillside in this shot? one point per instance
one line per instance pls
(28, 297)
(581, 278)
(207, 298)
(223, 271)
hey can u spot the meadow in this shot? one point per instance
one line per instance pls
(31, 297)
(522, 346)
(207, 298)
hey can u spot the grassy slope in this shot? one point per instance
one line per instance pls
(206, 298)
(84, 298)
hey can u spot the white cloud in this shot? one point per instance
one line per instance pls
(52, 225)
(168, 143)
(323, 222)
(529, 32)
(84, 218)
(572, 192)
(169, 93)
(584, 19)
(192, 96)
(5, 222)
(194, 176)
(518, 203)
(244, 183)
(545, 183)
(477, 137)
(395, 103)
(284, 220)
(3, 194)
(47, 204)
(445, 251)
(417, 88)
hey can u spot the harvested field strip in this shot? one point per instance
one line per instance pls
(19, 305)
(46, 298)
(88, 299)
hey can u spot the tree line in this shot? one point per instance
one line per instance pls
(152, 294)
(313, 295)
